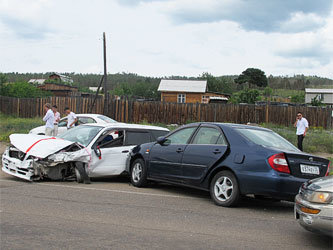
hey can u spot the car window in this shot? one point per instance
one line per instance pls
(62, 122)
(82, 134)
(112, 138)
(137, 137)
(206, 135)
(181, 136)
(106, 119)
(158, 133)
(267, 139)
(84, 120)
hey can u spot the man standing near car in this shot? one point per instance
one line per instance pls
(71, 118)
(302, 126)
(56, 119)
(49, 119)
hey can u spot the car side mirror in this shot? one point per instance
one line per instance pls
(98, 152)
(161, 140)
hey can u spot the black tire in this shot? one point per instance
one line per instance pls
(79, 178)
(224, 189)
(138, 173)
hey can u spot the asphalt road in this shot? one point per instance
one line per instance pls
(111, 214)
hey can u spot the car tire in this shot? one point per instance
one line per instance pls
(138, 173)
(224, 189)
(79, 178)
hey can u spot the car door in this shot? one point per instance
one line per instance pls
(113, 154)
(165, 158)
(206, 148)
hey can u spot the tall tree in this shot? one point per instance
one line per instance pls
(252, 76)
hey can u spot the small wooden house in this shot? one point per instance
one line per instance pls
(61, 78)
(60, 89)
(189, 91)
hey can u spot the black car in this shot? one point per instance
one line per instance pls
(229, 160)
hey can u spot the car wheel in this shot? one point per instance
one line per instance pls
(224, 189)
(79, 178)
(138, 173)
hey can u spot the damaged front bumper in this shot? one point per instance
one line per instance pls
(58, 166)
(16, 167)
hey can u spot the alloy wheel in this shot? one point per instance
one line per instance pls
(223, 188)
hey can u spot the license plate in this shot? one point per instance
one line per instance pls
(306, 169)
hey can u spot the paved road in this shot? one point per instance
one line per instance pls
(111, 214)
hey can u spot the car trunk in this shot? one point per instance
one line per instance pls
(306, 166)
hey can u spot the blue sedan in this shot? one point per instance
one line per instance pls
(228, 160)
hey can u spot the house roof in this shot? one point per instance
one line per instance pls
(38, 81)
(319, 91)
(192, 86)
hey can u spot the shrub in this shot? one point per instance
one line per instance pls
(22, 90)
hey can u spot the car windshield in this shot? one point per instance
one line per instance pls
(81, 134)
(106, 119)
(267, 139)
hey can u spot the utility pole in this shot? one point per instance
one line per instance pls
(106, 94)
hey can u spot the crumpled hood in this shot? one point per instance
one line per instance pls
(38, 145)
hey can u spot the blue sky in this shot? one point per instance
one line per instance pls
(168, 37)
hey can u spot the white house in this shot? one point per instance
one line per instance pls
(325, 95)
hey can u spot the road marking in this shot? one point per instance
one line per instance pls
(107, 190)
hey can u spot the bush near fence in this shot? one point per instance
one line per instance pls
(170, 113)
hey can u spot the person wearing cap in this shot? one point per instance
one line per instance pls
(71, 118)
(48, 119)
(56, 119)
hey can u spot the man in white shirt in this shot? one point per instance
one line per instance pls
(302, 126)
(71, 118)
(49, 119)
(56, 119)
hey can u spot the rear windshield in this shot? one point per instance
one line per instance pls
(267, 139)
(106, 119)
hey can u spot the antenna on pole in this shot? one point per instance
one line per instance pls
(106, 94)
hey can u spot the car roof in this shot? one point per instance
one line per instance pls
(125, 125)
(232, 125)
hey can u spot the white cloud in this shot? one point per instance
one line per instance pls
(144, 39)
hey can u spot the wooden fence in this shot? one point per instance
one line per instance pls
(170, 113)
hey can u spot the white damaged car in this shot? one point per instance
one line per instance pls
(89, 150)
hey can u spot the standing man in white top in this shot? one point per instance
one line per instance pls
(49, 119)
(56, 119)
(71, 118)
(302, 126)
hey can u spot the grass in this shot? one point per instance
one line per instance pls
(316, 140)
(11, 124)
(286, 92)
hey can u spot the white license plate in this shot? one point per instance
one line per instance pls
(306, 169)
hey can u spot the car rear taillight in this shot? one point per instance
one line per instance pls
(328, 169)
(279, 163)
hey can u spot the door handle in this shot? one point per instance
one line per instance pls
(179, 150)
(125, 151)
(217, 151)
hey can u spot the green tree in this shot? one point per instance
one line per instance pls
(246, 96)
(3, 79)
(253, 77)
(316, 101)
(268, 92)
(22, 90)
(298, 98)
